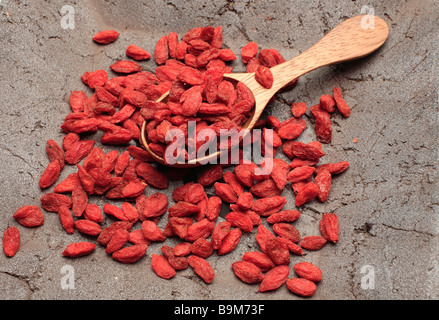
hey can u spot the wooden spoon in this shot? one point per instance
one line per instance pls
(347, 41)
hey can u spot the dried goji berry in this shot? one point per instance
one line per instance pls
(106, 36)
(29, 216)
(300, 174)
(274, 278)
(137, 53)
(260, 259)
(137, 237)
(152, 176)
(249, 51)
(93, 213)
(277, 251)
(50, 174)
(152, 232)
(230, 241)
(202, 248)
(53, 201)
(225, 192)
(266, 189)
(78, 151)
(269, 205)
(130, 254)
(88, 227)
(240, 220)
(298, 109)
(245, 201)
(287, 231)
(182, 249)
(308, 271)
(117, 241)
(79, 249)
(341, 104)
(284, 216)
(323, 183)
(106, 234)
(202, 268)
(11, 241)
(55, 152)
(302, 287)
(329, 227)
(66, 219)
(308, 192)
(247, 272)
(161, 51)
(313, 242)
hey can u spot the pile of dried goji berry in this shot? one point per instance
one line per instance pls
(192, 71)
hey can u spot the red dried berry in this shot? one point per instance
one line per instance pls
(161, 267)
(117, 241)
(240, 220)
(308, 271)
(152, 232)
(247, 272)
(66, 219)
(329, 227)
(88, 227)
(152, 176)
(323, 183)
(264, 77)
(298, 109)
(260, 259)
(50, 175)
(308, 192)
(274, 278)
(287, 231)
(268, 206)
(284, 216)
(229, 243)
(106, 36)
(341, 104)
(202, 268)
(29, 216)
(249, 51)
(11, 241)
(125, 66)
(137, 53)
(130, 254)
(313, 243)
(79, 249)
(301, 287)
(202, 248)
(277, 250)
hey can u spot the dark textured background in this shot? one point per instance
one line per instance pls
(387, 201)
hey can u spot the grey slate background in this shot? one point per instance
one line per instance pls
(387, 201)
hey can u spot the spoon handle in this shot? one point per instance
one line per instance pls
(349, 40)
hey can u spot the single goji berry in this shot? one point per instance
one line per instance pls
(247, 272)
(79, 249)
(106, 36)
(274, 278)
(329, 227)
(11, 241)
(302, 287)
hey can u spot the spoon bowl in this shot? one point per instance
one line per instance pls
(351, 39)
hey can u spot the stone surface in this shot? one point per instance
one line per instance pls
(387, 201)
